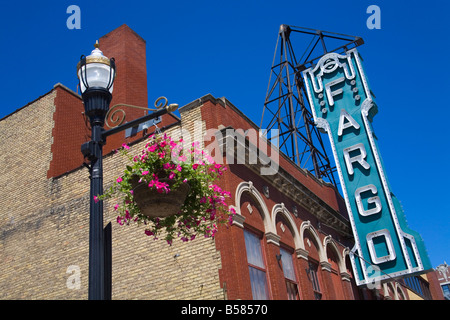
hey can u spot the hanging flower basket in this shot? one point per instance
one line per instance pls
(171, 189)
(152, 203)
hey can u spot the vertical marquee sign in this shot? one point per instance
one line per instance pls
(342, 106)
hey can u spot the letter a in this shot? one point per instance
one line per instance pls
(74, 280)
(350, 122)
(74, 21)
(374, 21)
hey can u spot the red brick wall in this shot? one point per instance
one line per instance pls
(130, 86)
(435, 287)
(70, 131)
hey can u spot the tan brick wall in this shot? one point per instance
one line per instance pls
(25, 194)
(44, 227)
(192, 122)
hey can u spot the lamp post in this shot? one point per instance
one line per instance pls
(96, 74)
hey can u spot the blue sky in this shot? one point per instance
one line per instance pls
(226, 48)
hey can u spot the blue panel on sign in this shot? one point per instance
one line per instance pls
(343, 106)
(145, 125)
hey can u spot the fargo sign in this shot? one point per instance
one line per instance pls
(342, 106)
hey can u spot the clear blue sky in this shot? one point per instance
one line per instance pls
(226, 48)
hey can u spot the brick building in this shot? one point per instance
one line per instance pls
(289, 240)
(442, 273)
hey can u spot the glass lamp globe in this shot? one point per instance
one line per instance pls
(96, 71)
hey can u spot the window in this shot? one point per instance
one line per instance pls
(446, 291)
(313, 276)
(419, 286)
(256, 266)
(289, 274)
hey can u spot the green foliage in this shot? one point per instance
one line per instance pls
(163, 165)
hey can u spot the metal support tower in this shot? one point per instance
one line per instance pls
(286, 107)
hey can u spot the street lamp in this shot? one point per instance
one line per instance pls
(96, 74)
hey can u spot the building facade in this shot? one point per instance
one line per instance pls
(442, 272)
(290, 238)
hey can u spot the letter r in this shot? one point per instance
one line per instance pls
(357, 158)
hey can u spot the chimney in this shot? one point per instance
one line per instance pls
(130, 86)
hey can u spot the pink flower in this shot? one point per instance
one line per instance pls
(125, 146)
(171, 175)
(96, 199)
(161, 155)
(179, 168)
(168, 165)
(145, 173)
(119, 180)
(195, 166)
(116, 206)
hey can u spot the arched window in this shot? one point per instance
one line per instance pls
(256, 266)
(289, 237)
(290, 276)
(314, 273)
(251, 206)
